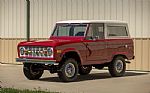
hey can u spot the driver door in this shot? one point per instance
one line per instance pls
(95, 44)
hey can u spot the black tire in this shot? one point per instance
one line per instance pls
(68, 70)
(30, 72)
(117, 67)
(84, 70)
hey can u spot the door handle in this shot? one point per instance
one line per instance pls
(126, 46)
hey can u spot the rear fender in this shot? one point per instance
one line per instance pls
(123, 54)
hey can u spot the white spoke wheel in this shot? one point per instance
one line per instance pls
(31, 72)
(68, 70)
(117, 67)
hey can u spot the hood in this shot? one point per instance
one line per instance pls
(53, 41)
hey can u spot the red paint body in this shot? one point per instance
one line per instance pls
(90, 51)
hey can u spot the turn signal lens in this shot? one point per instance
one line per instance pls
(59, 51)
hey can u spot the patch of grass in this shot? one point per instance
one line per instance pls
(12, 90)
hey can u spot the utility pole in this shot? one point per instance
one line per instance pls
(28, 20)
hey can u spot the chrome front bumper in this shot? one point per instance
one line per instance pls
(38, 61)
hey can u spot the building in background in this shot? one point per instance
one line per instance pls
(44, 14)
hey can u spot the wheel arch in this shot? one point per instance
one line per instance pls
(72, 54)
(120, 55)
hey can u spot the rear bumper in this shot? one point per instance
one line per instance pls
(38, 61)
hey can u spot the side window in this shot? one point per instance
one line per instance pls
(79, 30)
(96, 31)
(113, 31)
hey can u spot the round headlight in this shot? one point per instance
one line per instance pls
(49, 51)
(22, 50)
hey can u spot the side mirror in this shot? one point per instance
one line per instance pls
(89, 38)
(95, 37)
(92, 38)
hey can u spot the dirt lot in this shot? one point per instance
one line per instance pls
(99, 81)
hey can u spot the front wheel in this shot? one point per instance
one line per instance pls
(68, 70)
(117, 67)
(31, 71)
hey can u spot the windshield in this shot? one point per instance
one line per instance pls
(69, 30)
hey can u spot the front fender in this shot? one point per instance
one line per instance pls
(72, 50)
(63, 52)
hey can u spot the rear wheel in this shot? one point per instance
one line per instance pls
(84, 70)
(31, 71)
(68, 70)
(117, 67)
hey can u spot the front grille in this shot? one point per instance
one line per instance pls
(33, 51)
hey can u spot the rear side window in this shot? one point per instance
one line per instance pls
(118, 31)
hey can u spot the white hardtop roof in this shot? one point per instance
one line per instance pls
(91, 21)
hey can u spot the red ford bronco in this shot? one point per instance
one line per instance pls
(76, 46)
